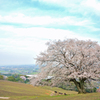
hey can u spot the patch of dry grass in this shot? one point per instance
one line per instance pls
(20, 91)
(59, 90)
(91, 96)
(8, 88)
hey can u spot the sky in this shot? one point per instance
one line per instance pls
(26, 25)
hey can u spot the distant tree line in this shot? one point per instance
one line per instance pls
(1, 77)
(16, 78)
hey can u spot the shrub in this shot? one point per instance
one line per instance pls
(1, 77)
(11, 78)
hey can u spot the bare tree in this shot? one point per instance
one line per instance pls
(71, 59)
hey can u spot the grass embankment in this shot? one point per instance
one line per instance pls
(59, 90)
(20, 91)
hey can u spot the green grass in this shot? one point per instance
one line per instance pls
(59, 89)
(20, 91)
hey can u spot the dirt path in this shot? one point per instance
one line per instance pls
(4, 97)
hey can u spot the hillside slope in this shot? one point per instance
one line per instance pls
(8, 88)
(20, 91)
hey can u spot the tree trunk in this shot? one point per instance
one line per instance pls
(80, 86)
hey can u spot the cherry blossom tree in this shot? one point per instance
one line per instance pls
(70, 60)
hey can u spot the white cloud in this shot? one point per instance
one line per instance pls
(34, 39)
(81, 6)
(31, 41)
(44, 20)
(64, 3)
(21, 18)
(94, 4)
(38, 32)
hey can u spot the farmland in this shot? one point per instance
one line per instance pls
(18, 69)
(20, 91)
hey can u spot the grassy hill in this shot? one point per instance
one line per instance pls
(20, 91)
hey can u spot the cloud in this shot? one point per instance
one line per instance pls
(34, 39)
(76, 6)
(44, 20)
(29, 42)
(93, 4)
(64, 3)
(25, 26)
(37, 32)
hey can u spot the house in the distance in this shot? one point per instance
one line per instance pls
(31, 76)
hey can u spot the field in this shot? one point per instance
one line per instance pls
(18, 69)
(20, 91)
